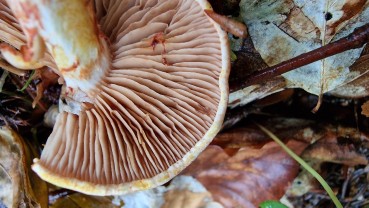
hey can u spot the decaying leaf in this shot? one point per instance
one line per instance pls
(326, 149)
(183, 192)
(283, 29)
(359, 87)
(78, 200)
(248, 177)
(20, 186)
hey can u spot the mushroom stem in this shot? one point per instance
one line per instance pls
(68, 30)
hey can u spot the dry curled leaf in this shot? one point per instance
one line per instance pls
(248, 177)
(19, 185)
(283, 29)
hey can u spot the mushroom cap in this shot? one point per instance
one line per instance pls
(159, 104)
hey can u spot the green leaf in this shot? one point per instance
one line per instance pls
(272, 204)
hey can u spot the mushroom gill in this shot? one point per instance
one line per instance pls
(150, 110)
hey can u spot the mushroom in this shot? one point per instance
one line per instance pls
(145, 88)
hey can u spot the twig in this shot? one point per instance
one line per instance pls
(356, 39)
(232, 26)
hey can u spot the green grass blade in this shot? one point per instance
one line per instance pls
(316, 175)
(28, 81)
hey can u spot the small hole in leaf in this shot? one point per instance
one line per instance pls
(235, 37)
(328, 16)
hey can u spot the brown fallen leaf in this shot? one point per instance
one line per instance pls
(248, 177)
(240, 137)
(327, 149)
(248, 134)
(20, 186)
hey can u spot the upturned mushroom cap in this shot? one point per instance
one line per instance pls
(158, 98)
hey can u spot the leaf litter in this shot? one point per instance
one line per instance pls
(284, 29)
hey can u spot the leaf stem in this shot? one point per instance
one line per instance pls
(316, 175)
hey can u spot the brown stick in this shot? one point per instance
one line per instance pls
(356, 39)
